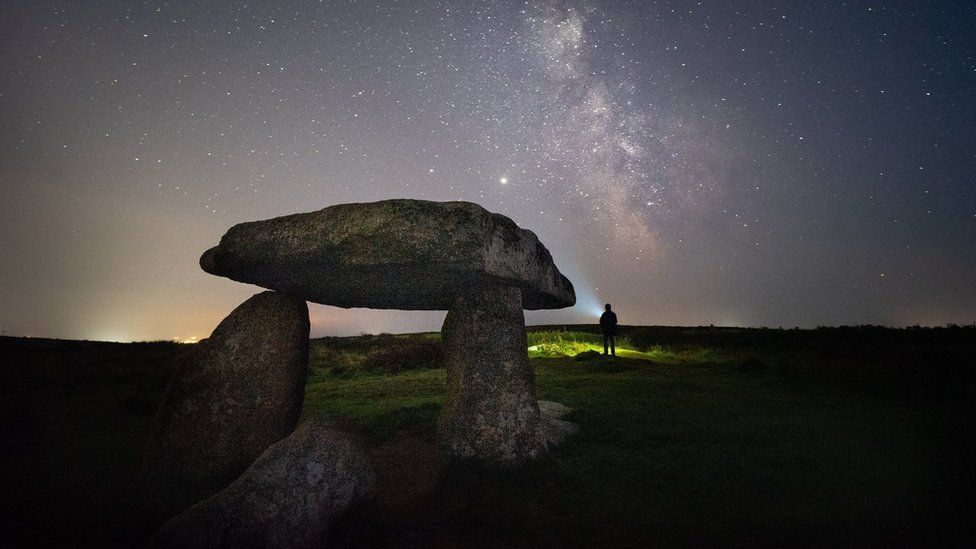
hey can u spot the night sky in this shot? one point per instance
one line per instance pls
(730, 163)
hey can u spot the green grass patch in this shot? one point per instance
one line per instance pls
(379, 405)
(562, 343)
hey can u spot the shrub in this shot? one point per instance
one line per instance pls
(325, 357)
(404, 354)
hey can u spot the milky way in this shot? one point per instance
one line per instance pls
(729, 163)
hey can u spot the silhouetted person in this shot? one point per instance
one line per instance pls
(608, 321)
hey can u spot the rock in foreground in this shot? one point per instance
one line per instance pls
(554, 430)
(288, 498)
(554, 409)
(240, 391)
(393, 254)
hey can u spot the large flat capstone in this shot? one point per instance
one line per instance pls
(393, 254)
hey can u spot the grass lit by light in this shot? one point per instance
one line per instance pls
(555, 344)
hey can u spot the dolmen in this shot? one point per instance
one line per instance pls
(421, 255)
(224, 454)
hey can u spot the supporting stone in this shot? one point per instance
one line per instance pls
(240, 391)
(490, 410)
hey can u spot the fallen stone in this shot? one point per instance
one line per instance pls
(552, 429)
(554, 409)
(393, 254)
(288, 498)
(240, 391)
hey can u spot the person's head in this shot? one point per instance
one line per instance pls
(607, 307)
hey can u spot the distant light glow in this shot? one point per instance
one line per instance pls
(588, 302)
(111, 337)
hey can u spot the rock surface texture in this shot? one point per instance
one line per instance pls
(393, 254)
(490, 410)
(555, 429)
(288, 498)
(554, 409)
(240, 391)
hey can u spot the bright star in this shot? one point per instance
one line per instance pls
(503, 180)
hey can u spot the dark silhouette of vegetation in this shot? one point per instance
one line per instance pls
(404, 354)
(384, 353)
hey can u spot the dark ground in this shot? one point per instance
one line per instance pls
(701, 436)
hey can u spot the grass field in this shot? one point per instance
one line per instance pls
(691, 436)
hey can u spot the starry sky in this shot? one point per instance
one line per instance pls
(737, 163)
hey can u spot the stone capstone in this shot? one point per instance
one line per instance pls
(288, 498)
(239, 391)
(393, 254)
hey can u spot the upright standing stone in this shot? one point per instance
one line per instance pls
(240, 391)
(490, 410)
